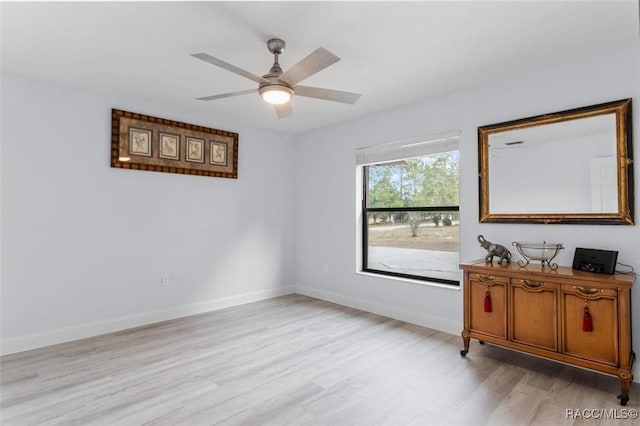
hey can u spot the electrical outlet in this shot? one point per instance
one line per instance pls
(325, 268)
(165, 280)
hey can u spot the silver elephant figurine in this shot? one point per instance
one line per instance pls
(496, 250)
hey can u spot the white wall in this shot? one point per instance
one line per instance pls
(85, 245)
(326, 236)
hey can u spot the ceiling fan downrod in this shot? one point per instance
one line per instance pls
(275, 46)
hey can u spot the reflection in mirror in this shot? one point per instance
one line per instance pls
(569, 167)
(561, 167)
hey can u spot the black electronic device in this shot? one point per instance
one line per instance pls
(592, 260)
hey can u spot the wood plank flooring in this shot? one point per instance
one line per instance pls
(299, 361)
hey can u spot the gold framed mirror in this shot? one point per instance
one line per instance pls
(572, 166)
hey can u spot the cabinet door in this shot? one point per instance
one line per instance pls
(493, 323)
(534, 313)
(600, 344)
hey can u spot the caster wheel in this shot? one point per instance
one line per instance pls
(623, 399)
(481, 342)
(464, 352)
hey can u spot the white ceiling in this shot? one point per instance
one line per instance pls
(392, 52)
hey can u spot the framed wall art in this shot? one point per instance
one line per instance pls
(143, 142)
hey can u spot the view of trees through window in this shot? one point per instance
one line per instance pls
(412, 217)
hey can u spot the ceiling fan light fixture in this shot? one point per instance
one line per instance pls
(276, 94)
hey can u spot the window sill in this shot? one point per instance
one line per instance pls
(410, 281)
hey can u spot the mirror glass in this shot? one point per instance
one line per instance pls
(567, 167)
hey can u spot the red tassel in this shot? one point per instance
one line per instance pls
(587, 321)
(487, 302)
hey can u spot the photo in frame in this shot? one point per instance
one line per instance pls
(195, 150)
(169, 146)
(140, 142)
(143, 142)
(218, 153)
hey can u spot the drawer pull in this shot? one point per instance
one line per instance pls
(587, 291)
(532, 284)
(486, 278)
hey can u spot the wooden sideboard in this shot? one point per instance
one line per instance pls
(575, 317)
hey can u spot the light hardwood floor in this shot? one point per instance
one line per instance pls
(295, 360)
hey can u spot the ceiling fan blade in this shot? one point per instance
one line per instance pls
(328, 94)
(228, 95)
(227, 66)
(283, 110)
(309, 65)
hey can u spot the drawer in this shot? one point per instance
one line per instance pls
(588, 291)
(488, 278)
(533, 284)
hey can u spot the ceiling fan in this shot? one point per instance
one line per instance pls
(277, 87)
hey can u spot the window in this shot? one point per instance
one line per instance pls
(410, 209)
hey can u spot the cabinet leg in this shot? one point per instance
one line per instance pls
(625, 383)
(624, 398)
(465, 341)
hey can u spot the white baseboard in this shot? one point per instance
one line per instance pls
(418, 318)
(67, 334)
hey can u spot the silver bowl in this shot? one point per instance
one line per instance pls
(543, 252)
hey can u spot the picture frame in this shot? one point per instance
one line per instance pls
(144, 142)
